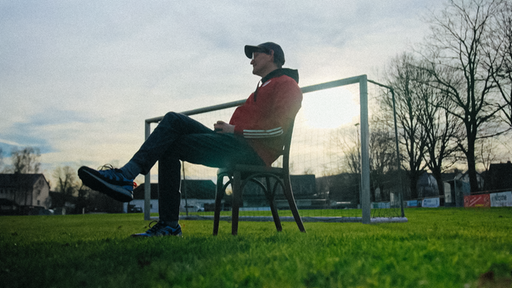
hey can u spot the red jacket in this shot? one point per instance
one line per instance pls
(267, 114)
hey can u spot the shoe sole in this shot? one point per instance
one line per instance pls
(144, 235)
(147, 236)
(94, 182)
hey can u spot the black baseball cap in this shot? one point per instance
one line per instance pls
(265, 48)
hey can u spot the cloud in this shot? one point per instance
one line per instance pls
(77, 79)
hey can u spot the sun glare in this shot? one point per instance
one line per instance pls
(331, 108)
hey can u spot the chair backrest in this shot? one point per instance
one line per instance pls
(287, 146)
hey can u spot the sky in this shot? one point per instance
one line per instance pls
(78, 78)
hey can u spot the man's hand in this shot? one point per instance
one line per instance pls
(223, 127)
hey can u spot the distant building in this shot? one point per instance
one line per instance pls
(499, 177)
(29, 190)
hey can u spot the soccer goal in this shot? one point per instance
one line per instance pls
(343, 160)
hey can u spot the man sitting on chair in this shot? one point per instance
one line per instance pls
(254, 135)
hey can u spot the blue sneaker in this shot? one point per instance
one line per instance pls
(160, 229)
(109, 181)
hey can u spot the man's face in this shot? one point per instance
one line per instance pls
(262, 63)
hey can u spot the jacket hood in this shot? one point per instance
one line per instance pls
(292, 73)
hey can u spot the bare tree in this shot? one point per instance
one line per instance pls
(349, 142)
(501, 43)
(382, 160)
(345, 180)
(459, 47)
(440, 126)
(25, 161)
(401, 75)
(486, 152)
(382, 155)
(67, 183)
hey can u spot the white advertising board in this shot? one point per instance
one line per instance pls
(430, 203)
(501, 199)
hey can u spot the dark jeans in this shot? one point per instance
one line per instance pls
(179, 137)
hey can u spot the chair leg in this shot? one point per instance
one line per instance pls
(270, 193)
(237, 196)
(293, 206)
(219, 194)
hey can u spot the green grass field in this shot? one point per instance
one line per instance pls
(436, 248)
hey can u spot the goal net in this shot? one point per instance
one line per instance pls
(343, 161)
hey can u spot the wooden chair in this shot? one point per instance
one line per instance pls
(241, 174)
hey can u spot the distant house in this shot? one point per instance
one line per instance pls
(499, 177)
(26, 189)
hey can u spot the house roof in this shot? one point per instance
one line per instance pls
(17, 180)
(502, 167)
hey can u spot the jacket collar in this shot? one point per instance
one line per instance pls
(294, 74)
